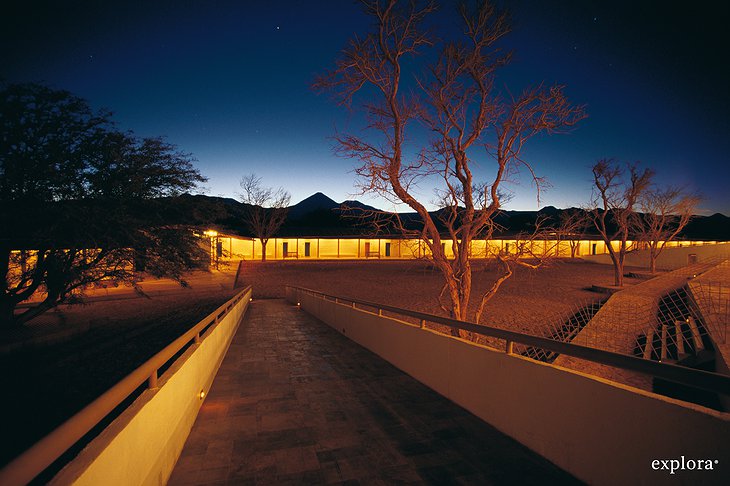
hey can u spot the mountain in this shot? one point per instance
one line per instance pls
(356, 205)
(319, 215)
(715, 227)
(315, 202)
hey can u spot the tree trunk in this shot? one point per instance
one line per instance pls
(618, 275)
(653, 255)
(457, 310)
(619, 269)
(263, 249)
(618, 266)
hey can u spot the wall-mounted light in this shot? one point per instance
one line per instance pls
(210, 233)
(201, 395)
(251, 299)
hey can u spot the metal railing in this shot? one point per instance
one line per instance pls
(705, 380)
(43, 453)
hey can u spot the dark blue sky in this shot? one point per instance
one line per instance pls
(229, 82)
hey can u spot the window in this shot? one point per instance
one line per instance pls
(307, 249)
(387, 249)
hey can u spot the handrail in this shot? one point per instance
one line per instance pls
(705, 380)
(43, 453)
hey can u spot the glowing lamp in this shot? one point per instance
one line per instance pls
(201, 395)
(210, 233)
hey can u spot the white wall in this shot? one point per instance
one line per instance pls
(143, 444)
(669, 259)
(599, 431)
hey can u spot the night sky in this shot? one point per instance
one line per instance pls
(229, 83)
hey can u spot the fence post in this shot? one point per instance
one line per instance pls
(152, 380)
(509, 346)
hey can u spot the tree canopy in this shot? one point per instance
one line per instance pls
(471, 123)
(81, 201)
(266, 209)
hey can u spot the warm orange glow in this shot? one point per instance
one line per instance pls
(210, 233)
(201, 395)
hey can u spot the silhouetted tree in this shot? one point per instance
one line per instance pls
(666, 212)
(571, 226)
(266, 211)
(79, 202)
(613, 207)
(464, 115)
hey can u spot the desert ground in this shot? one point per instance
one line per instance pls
(69, 356)
(527, 302)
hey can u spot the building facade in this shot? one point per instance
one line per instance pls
(232, 248)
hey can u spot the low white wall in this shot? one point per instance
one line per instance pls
(669, 259)
(599, 431)
(143, 444)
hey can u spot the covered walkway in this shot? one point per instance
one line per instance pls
(295, 402)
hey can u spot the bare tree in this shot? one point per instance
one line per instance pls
(267, 209)
(524, 254)
(613, 207)
(461, 110)
(571, 226)
(666, 212)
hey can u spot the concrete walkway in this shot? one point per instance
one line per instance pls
(297, 403)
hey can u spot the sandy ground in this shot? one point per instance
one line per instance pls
(109, 306)
(530, 301)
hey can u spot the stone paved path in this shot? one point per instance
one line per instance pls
(297, 403)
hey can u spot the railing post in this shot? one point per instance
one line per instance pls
(380, 312)
(353, 305)
(196, 339)
(509, 346)
(152, 381)
(423, 323)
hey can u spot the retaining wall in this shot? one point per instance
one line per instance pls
(143, 444)
(671, 258)
(599, 431)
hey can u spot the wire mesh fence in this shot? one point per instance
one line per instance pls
(679, 317)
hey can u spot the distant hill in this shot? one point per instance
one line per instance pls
(320, 215)
(715, 227)
(315, 202)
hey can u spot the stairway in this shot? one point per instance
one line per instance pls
(680, 337)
